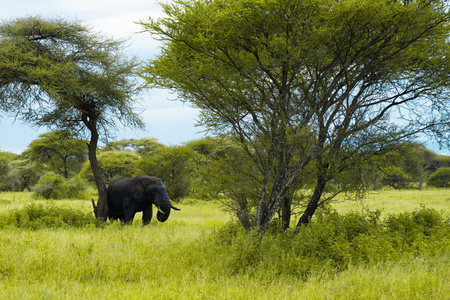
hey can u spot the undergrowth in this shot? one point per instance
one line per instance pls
(38, 216)
(333, 242)
(54, 251)
(330, 243)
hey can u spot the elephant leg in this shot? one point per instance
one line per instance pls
(129, 216)
(128, 209)
(114, 216)
(147, 216)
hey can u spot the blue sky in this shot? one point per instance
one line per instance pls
(171, 122)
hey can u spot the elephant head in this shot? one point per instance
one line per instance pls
(161, 201)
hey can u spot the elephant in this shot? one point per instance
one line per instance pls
(126, 196)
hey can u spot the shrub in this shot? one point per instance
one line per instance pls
(75, 188)
(50, 186)
(55, 186)
(37, 216)
(332, 242)
(440, 178)
(406, 229)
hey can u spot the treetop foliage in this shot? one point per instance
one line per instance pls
(143, 147)
(310, 62)
(59, 151)
(59, 74)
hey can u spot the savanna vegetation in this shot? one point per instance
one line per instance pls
(59, 250)
(311, 184)
(306, 96)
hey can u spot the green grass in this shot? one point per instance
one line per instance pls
(407, 279)
(398, 201)
(180, 259)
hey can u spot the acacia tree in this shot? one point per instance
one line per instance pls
(143, 147)
(58, 74)
(60, 150)
(305, 81)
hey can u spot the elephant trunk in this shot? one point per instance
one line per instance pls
(162, 202)
(163, 213)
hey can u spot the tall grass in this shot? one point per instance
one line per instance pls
(199, 254)
(413, 278)
(398, 201)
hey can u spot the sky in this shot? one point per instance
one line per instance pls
(170, 122)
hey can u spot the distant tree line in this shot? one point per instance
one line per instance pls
(207, 168)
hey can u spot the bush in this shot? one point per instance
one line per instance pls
(36, 216)
(50, 186)
(332, 242)
(408, 229)
(55, 186)
(440, 178)
(75, 188)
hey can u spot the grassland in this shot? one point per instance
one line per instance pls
(398, 201)
(181, 259)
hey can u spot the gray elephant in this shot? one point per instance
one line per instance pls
(126, 196)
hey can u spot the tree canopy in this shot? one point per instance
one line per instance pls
(307, 82)
(65, 77)
(59, 151)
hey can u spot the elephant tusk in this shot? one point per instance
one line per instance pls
(173, 207)
(160, 210)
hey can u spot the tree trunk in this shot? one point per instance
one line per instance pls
(243, 213)
(268, 206)
(313, 204)
(421, 179)
(66, 168)
(286, 211)
(101, 209)
(314, 201)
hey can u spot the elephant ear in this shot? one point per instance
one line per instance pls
(137, 190)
